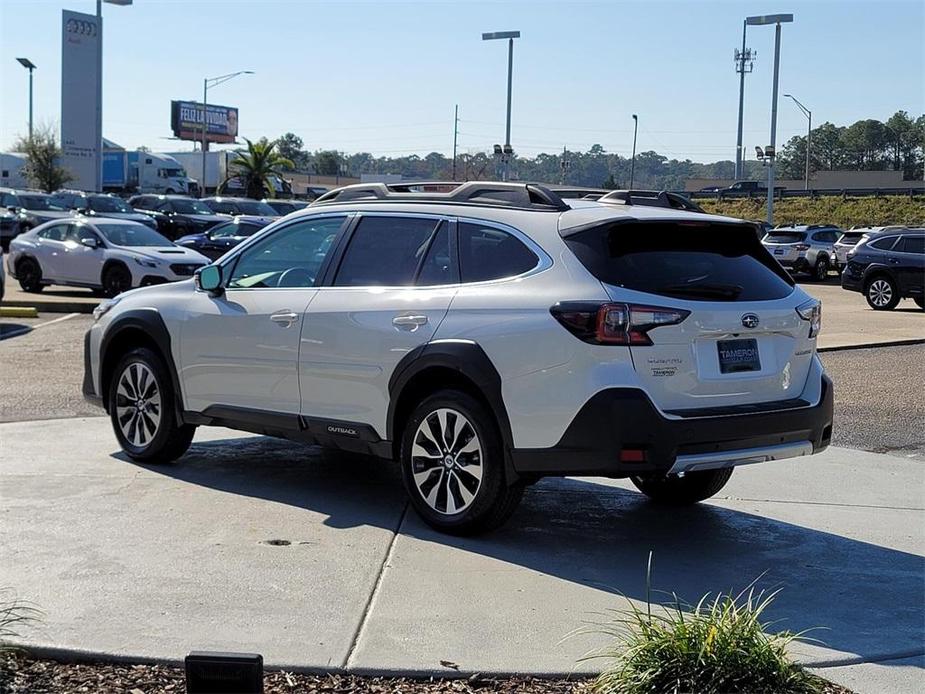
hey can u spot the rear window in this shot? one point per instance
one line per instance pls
(850, 238)
(785, 237)
(711, 262)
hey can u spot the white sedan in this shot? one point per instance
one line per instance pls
(107, 255)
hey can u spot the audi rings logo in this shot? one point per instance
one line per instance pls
(81, 27)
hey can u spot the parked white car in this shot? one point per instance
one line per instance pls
(483, 337)
(108, 255)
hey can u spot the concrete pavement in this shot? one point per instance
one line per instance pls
(314, 560)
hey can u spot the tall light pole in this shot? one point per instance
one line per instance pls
(745, 60)
(30, 66)
(206, 83)
(771, 151)
(809, 133)
(510, 36)
(633, 161)
(99, 89)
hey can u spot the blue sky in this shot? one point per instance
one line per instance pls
(383, 77)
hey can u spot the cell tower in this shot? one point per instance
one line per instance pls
(745, 63)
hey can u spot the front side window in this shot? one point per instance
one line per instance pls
(77, 232)
(221, 207)
(487, 253)
(387, 252)
(291, 257)
(131, 234)
(912, 244)
(9, 200)
(189, 207)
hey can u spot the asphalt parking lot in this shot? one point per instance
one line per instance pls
(879, 392)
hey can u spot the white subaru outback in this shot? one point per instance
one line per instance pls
(483, 337)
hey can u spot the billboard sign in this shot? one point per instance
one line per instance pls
(186, 121)
(80, 141)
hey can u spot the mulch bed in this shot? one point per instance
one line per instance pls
(20, 674)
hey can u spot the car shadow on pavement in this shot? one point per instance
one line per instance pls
(867, 599)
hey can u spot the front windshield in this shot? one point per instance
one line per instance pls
(258, 209)
(190, 207)
(131, 234)
(39, 202)
(109, 205)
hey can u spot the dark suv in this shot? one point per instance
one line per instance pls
(887, 267)
(177, 215)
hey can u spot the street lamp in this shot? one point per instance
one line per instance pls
(99, 88)
(510, 36)
(770, 151)
(206, 83)
(30, 66)
(633, 161)
(809, 133)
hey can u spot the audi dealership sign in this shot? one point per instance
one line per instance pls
(80, 47)
(186, 121)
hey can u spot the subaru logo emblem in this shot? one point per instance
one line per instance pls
(750, 320)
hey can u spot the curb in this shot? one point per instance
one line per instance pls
(871, 345)
(18, 312)
(54, 306)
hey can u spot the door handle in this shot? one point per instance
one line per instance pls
(411, 323)
(284, 318)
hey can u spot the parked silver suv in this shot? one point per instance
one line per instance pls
(802, 248)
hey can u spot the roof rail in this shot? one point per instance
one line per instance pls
(524, 196)
(653, 198)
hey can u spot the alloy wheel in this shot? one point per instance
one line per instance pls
(446, 459)
(138, 404)
(880, 292)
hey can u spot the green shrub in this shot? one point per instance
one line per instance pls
(847, 212)
(719, 645)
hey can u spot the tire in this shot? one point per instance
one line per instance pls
(881, 293)
(149, 434)
(116, 279)
(438, 477)
(683, 490)
(919, 301)
(821, 270)
(29, 274)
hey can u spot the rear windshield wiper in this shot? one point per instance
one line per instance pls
(720, 291)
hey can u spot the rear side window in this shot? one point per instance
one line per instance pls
(785, 237)
(912, 244)
(56, 232)
(487, 253)
(883, 244)
(712, 262)
(825, 236)
(386, 252)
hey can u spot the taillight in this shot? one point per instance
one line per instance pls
(811, 312)
(614, 323)
(803, 246)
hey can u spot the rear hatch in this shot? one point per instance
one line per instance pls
(786, 246)
(847, 241)
(740, 341)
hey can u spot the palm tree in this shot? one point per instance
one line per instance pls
(256, 167)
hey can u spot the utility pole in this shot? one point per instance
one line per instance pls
(809, 134)
(455, 136)
(773, 124)
(745, 61)
(564, 165)
(633, 163)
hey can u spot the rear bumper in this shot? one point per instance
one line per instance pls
(798, 265)
(852, 282)
(620, 418)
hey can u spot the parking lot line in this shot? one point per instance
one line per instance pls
(30, 328)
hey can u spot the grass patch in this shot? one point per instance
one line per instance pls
(721, 645)
(14, 616)
(845, 212)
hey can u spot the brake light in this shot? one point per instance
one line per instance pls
(614, 323)
(811, 312)
(803, 246)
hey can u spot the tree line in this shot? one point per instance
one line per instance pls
(867, 145)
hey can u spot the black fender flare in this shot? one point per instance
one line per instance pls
(469, 360)
(112, 262)
(151, 323)
(878, 269)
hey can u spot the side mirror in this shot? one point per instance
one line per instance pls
(90, 242)
(209, 279)
(12, 209)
